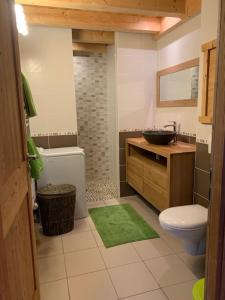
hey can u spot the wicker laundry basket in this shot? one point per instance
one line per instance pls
(57, 207)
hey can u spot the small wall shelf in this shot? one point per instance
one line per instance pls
(163, 175)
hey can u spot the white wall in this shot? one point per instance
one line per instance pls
(180, 45)
(46, 59)
(135, 80)
(209, 29)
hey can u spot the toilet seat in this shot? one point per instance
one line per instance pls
(188, 217)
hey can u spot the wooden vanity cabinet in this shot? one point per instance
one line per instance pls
(163, 175)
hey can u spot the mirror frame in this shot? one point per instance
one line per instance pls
(170, 70)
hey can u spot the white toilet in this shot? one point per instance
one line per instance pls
(187, 223)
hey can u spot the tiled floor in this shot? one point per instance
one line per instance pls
(100, 189)
(77, 266)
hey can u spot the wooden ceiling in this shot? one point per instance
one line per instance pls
(145, 16)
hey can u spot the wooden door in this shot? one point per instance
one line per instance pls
(215, 267)
(18, 272)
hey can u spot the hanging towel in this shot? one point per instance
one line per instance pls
(28, 99)
(36, 165)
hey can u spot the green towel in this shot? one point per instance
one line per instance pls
(28, 99)
(36, 165)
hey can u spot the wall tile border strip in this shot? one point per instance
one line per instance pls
(54, 134)
(55, 141)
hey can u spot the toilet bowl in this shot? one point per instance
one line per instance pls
(187, 223)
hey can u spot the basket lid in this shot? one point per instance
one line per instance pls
(60, 189)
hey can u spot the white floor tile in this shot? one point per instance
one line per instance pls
(98, 239)
(91, 223)
(154, 295)
(173, 242)
(85, 261)
(169, 270)
(132, 279)
(49, 246)
(95, 204)
(93, 286)
(152, 248)
(119, 255)
(51, 268)
(81, 225)
(181, 291)
(195, 263)
(57, 290)
(78, 241)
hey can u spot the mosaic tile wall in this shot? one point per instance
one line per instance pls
(194, 83)
(90, 76)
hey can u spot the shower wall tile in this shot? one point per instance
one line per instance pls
(90, 77)
(125, 189)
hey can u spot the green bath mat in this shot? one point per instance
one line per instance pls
(120, 224)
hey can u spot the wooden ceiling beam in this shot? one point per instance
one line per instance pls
(93, 36)
(88, 48)
(192, 9)
(78, 19)
(172, 8)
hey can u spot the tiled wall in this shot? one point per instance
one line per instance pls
(90, 77)
(194, 83)
(202, 175)
(125, 189)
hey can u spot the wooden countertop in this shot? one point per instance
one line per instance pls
(163, 150)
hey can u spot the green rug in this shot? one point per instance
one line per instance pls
(120, 224)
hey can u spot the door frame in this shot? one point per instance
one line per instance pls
(215, 256)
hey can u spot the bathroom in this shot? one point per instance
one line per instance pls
(99, 90)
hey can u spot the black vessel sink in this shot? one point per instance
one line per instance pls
(159, 137)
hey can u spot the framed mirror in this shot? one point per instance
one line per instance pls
(178, 85)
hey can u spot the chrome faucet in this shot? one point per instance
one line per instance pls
(174, 125)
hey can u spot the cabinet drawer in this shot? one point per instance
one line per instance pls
(157, 174)
(135, 181)
(135, 166)
(156, 195)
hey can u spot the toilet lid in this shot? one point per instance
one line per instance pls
(185, 217)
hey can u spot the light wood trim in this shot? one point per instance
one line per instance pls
(163, 150)
(178, 103)
(88, 48)
(170, 70)
(207, 105)
(209, 45)
(93, 36)
(179, 67)
(143, 7)
(91, 20)
(205, 119)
